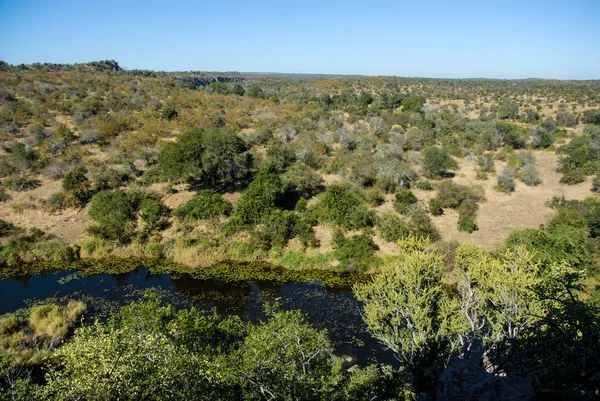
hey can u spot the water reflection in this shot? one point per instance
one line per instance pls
(333, 309)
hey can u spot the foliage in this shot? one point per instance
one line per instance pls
(466, 223)
(206, 204)
(357, 253)
(212, 155)
(506, 180)
(391, 227)
(114, 213)
(406, 308)
(437, 162)
(264, 194)
(343, 205)
(285, 358)
(405, 201)
(303, 180)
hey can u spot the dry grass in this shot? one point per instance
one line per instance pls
(70, 225)
(53, 321)
(503, 213)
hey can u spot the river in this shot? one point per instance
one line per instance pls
(334, 309)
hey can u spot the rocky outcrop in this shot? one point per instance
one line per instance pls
(465, 381)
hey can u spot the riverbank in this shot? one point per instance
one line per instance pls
(231, 271)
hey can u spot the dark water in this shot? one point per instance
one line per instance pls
(333, 309)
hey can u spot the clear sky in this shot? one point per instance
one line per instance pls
(435, 38)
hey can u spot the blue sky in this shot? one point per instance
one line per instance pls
(452, 39)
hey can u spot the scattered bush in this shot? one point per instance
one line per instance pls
(20, 183)
(466, 223)
(424, 186)
(405, 201)
(436, 207)
(421, 226)
(530, 175)
(374, 197)
(506, 180)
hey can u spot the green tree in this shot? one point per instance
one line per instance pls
(437, 162)
(263, 195)
(407, 309)
(114, 213)
(286, 359)
(238, 90)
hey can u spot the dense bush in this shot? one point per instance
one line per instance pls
(391, 227)
(343, 205)
(206, 204)
(573, 177)
(209, 155)
(153, 212)
(357, 253)
(437, 162)
(263, 195)
(303, 180)
(114, 213)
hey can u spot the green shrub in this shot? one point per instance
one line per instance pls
(206, 204)
(210, 155)
(374, 197)
(506, 180)
(596, 183)
(466, 223)
(468, 208)
(424, 186)
(6, 228)
(421, 226)
(405, 201)
(437, 162)
(357, 253)
(451, 195)
(343, 205)
(391, 227)
(573, 177)
(436, 207)
(20, 183)
(114, 213)
(263, 195)
(556, 245)
(303, 180)
(154, 213)
(75, 179)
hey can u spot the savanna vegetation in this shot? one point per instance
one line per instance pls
(470, 205)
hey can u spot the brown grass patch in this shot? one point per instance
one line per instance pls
(503, 213)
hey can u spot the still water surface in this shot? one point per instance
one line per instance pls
(334, 309)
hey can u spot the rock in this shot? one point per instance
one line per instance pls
(465, 381)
